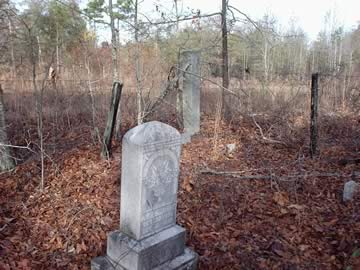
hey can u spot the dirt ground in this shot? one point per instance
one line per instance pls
(279, 210)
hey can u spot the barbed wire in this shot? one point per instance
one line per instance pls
(257, 76)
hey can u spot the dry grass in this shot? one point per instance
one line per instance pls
(281, 108)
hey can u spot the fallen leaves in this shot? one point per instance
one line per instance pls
(188, 184)
(281, 198)
(24, 264)
(296, 206)
(81, 247)
(63, 220)
(232, 224)
(265, 224)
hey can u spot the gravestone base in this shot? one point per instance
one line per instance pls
(186, 261)
(164, 250)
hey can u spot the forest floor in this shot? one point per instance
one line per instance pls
(294, 219)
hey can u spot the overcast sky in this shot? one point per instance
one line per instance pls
(308, 13)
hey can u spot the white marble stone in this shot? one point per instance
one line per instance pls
(350, 188)
(190, 64)
(149, 180)
(146, 253)
(149, 238)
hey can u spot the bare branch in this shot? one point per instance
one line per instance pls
(189, 18)
(247, 17)
(215, 83)
(16, 146)
(264, 137)
(172, 83)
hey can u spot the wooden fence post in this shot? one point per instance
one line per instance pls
(314, 114)
(110, 124)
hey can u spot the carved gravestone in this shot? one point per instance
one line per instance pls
(190, 66)
(148, 237)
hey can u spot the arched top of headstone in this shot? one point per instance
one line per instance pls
(152, 132)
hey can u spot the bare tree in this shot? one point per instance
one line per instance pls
(5, 29)
(137, 67)
(11, 43)
(225, 57)
(114, 60)
(30, 40)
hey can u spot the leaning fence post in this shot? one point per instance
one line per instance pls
(314, 114)
(110, 124)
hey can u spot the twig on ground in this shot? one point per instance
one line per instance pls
(234, 174)
(75, 215)
(238, 174)
(266, 139)
(6, 224)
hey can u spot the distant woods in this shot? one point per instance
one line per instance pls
(91, 47)
(60, 30)
(61, 60)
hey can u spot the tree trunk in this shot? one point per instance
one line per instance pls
(177, 14)
(13, 66)
(115, 39)
(118, 48)
(313, 61)
(347, 78)
(92, 97)
(39, 50)
(340, 54)
(115, 74)
(314, 114)
(300, 62)
(179, 94)
(137, 68)
(265, 58)
(225, 61)
(57, 51)
(6, 161)
(39, 95)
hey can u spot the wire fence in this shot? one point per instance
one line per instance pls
(250, 95)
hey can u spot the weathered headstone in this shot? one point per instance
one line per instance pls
(149, 237)
(190, 66)
(350, 189)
